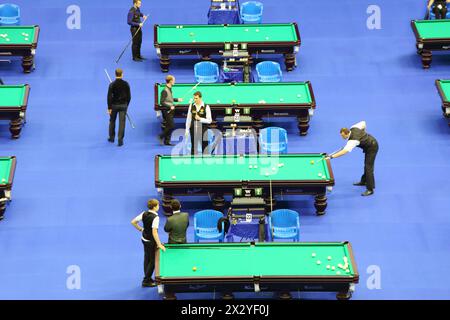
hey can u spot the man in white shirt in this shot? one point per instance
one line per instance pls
(198, 117)
(150, 239)
(357, 136)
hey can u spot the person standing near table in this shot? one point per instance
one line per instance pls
(150, 239)
(119, 97)
(134, 20)
(198, 117)
(357, 136)
(167, 101)
(177, 224)
(440, 8)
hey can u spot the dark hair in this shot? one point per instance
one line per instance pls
(119, 72)
(152, 203)
(345, 131)
(175, 205)
(198, 94)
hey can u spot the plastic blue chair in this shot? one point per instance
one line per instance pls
(433, 16)
(269, 71)
(9, 14)
(251, 12)
(284, 224)
(205, 226)
(273, 140)
(206, 72)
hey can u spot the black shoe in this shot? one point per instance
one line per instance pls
(120, 143)
(142, 58)
(359, 184)
(149, 284)
(367, 193)
(137, 59)
(110, 140)
(161, 140)
(168, 144)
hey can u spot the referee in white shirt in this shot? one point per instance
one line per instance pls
(358, 137)
(198, 117)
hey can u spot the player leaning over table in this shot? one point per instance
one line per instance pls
(134, 20)
(198, 117)
(440, 8)
(357, 136)
(150, 239)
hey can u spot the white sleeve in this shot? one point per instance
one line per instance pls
(139, 217)
(155, 224)
(360, 125)
(208, 118)
(188, 118)
(351, 144)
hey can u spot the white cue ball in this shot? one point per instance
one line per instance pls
(333, 268)
(329, 257)
(257, 30)
(218, 101)
(319, 174)
(338, 272)
(174, 177)
(328, 267)
(267, 174)
(26, 39)
(313, 255)
(318, 262)
(250, 167)
(281, 99)
(246, 30)
(298, 96)
(267, 38)
(256, 167)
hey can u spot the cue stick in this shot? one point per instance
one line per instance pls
(187, 94)
(128, 117)
(129, 42)
(329, 155)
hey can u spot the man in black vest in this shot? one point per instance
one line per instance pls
(358, 137)
(198, 117)
(119, 97)
(150, 239)
(177, 224)
(167, 101)
(134, 20)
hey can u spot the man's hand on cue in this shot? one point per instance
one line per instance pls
(197, 117)
(180, 99)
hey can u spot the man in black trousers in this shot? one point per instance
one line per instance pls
(358, 137)
(134, 20)
(119, 97)
(167, 101)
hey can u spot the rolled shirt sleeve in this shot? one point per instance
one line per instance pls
(188, 118)
(360, 125)
(351, 144)
(208, 118)
(155, 224)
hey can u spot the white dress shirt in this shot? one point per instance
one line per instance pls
(206, 120)
(352, 144)
(155, 224)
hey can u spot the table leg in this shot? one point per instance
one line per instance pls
(2, 209)
(426, 59)
(303, 123)
(270, 203)
(206, 57)
(289, 61)
(15, 126)
(164, 62)
(344, 295)
(166, 204)
(227, 296)
(320, 204)
(27, 63)
(169, 296)
(284, 296)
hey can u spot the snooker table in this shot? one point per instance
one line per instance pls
(431, 35)
(281, 174)
(17, 44)
(443, 87)
(206, 40)
(257, 100)
(259, 267)
(13, 106)
(7, 170)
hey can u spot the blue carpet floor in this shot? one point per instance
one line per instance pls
(75, 194)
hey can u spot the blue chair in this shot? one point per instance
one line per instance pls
(251, 12)
(9, 14)
(205, 226)
(206, 72)
(433, 16)
(284, 224)
(273, 140)
(269, 71)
